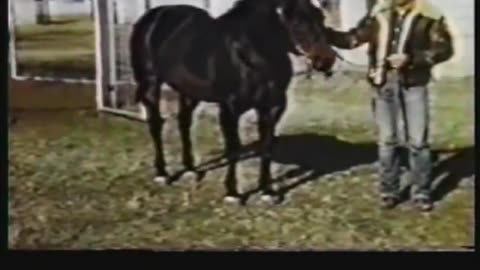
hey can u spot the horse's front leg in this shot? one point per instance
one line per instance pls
(268, 120)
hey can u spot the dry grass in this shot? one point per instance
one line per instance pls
(64, 48)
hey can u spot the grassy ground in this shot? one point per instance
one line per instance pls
(82, 181)
(63, 48)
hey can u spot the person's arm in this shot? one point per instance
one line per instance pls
(353, 38)
(441, 48)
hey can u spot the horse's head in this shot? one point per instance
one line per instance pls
(305, 22)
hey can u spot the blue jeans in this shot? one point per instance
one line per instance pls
(391, 102)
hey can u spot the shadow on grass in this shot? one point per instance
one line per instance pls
(315, 156)
(64, 21)
(458, 167)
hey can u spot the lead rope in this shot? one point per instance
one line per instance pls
(309, 71)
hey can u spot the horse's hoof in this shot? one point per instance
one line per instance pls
(193, 177)
(232, 200)
(269, 199)
(161, 180)
(190, 176)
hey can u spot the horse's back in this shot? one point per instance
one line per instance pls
(168, 17)
(162, 29)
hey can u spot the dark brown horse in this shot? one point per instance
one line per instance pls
(239, 60)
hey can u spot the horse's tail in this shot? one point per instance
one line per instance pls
(141, 53)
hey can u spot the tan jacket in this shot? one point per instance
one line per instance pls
(422, 34)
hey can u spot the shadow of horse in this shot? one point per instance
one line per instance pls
(314, 156)
(447, 173)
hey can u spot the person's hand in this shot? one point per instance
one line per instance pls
(397, 60)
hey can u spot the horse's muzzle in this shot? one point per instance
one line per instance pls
(324, 65)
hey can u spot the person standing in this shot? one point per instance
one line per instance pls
(406, 39)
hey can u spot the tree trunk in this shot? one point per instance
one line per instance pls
(148, 4)
(43, 11)
(92, 10)
(206, 4)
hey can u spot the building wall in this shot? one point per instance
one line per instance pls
(461, 18)
(70, 8)
(25, 11)
(130, 10)
(218, 7)
(351, 11)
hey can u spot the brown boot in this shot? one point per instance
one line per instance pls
(389, 201)
(423, 203)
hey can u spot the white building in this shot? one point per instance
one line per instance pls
(60, 8)
(25, 11)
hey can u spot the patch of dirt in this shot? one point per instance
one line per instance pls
(35, 95)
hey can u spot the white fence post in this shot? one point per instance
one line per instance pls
(13, 51)
(106, 75)
(103, 21)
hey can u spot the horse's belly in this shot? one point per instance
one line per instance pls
(196, 92)
(193, 86)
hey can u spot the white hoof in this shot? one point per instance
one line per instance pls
(271, 200)
(161, 180)
(231, 200)
(328, 177)
(267, 199)
(190, 176)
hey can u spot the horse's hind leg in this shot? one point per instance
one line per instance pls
(229, 124)
(186, 108)
(149, 94)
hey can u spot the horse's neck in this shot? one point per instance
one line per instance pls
(262, 32)
(271, 37)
